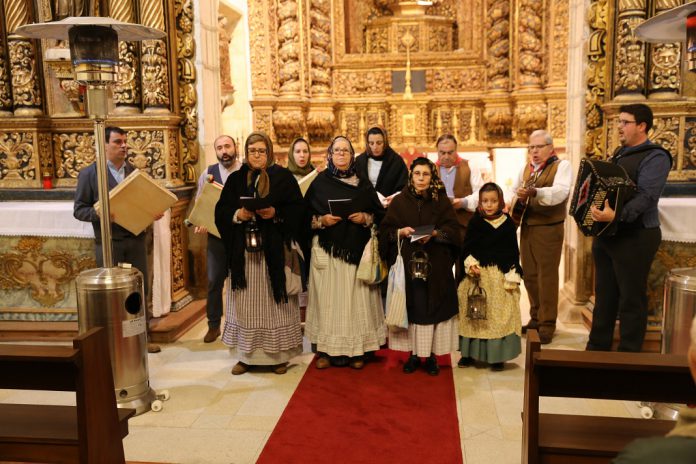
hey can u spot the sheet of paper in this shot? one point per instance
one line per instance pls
(422, 232)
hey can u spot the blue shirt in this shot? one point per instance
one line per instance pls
(119, 174)
(651, 179)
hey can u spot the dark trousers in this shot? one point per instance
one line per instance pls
(540, 252)
(622, 264)
(128, 250)
(218, 271)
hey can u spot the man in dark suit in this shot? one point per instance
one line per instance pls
(127, 247)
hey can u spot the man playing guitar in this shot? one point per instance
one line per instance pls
(542, 190)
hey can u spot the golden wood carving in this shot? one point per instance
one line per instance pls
(5, 86)
(263, 67)
(530, 43)
(127, 87)
(498, 41)
(16, 158)
(146, 152)
(529, 116)
(629, 71)
(665, 131)
(287, 124)
(16, 14)
(25, 83)
(320, 52)
(45, 273)
(362, 82)
(188, 96)
(224, 40)
(45, 149)
(456, 80)
(559, 43)
(665, 61)
(72, 152)
(596, 75)
(288, 47)
(153, 61)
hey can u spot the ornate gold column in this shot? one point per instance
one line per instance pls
(665, 62)
(188, 96)
(597, 77)
(498, 114)
(5, 86)
(530, 44)
(289, 48)
(127, 88)
(629, 67)
(154, 64)
(26, 88)
(321, 120)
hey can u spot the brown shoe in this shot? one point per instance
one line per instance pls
(240, 368)
(212, 335)
(532, 325)
(152, 348)
(357, 362)
(280, 369)
(545, 335)
(322, 362)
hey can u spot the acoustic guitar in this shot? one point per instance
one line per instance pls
(519, 206)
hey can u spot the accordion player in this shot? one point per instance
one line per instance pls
(596, 182)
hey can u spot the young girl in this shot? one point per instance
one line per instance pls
(491, 256)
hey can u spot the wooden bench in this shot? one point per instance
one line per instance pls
(90, 432)
(573, 439)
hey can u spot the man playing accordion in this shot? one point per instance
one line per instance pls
(622, 261)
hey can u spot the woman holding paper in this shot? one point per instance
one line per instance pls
(344, 316)
(423, 218)
(300, 163)
(381, 165)
(262, 325)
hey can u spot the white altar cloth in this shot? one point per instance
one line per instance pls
(678, 219)
(42, 219)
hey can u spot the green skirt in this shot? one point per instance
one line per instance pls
(491, 351)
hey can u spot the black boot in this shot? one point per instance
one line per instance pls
(412, 364)
(431, 366)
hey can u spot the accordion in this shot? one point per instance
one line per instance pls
(596, 182)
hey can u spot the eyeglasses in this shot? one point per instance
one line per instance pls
(257, 151)
(537, 147)
(341, 150)
(623, 122)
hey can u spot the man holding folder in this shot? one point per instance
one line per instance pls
(127, 247)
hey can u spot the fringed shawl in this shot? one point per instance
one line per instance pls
(345, 240)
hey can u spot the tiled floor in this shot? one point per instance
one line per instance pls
(213, 417)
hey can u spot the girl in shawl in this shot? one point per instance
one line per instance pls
(491, 258)
(431, 304)
(262, 325)
(344, 315)
(381, 165)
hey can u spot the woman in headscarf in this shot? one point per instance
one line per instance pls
(344, 315)
(491, 259)
(300, 159)
(381, 165)
(262, 325)
(431, 303)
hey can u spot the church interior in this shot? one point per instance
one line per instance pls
(489, 72)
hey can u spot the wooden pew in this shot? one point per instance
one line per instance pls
(574, 439)
(90, 432)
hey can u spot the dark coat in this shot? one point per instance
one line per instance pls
(284, 195)
(87, 194)
(393, 175)
(491, 246)
(435, 300)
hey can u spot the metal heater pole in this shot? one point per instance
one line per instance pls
(97, 105)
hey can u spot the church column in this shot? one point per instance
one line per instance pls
(321, 120)
(664, 77)
(154, 63)
(127, 88)
(498, 115)
(530, 23)
(26, 89)
(629, 67)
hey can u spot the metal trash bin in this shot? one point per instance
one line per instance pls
(678, 311)
(113, 298)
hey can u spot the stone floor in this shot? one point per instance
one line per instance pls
(213, 417)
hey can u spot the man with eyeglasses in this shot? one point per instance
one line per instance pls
(216, 261)
(622, 261)
(544, 183)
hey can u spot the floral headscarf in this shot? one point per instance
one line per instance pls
(435, 182)
(332, 168)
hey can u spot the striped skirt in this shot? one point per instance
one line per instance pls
(258, 330)
(422, 340)
(344, 315)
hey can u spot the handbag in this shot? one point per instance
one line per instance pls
(372, 269)
(294, 264)
(396, 316)
(476, 304)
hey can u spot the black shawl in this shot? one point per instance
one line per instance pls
(491, 246)
(438, 302)
(393, 175)
(345, 240)
(284, 195)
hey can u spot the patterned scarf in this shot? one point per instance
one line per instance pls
(341, 174)
(435, 182)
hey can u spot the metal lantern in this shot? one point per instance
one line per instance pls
(252, 236)
(420, 265)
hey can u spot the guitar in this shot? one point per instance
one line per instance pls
(519, 206)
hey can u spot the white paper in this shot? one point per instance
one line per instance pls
(133, 327)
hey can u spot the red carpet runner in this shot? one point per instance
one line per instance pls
(376, 415)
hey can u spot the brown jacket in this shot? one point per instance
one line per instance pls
(536, 214)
